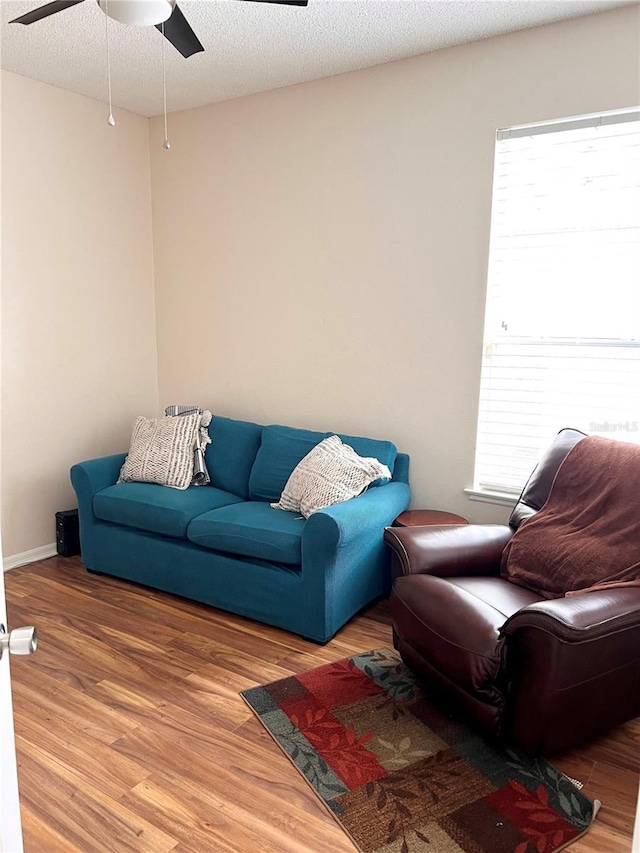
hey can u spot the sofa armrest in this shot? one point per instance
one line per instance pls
(578, 618)
(90, 477)
(345, 562)
(346, 522)
(448, 550)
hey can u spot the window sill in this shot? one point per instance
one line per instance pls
(498, 498)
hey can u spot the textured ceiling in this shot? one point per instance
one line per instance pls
(252, 47)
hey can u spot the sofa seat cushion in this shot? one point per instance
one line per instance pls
(454, 624)
(157, 509)
(250, 529)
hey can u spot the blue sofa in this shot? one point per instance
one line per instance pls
(223, 545)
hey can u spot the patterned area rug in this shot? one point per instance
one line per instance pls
(400, 776)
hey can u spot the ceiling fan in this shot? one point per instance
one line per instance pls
(163, 14)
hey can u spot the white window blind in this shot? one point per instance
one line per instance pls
(562, 330)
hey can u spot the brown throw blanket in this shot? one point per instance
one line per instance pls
(587, 534)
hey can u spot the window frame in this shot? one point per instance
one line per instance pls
(500, 491)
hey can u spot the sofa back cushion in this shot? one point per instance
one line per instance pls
(384, 451)
(283, 447)
(231, 454)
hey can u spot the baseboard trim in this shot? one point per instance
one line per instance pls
(32, 556)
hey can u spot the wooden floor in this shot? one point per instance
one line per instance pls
(131, 735)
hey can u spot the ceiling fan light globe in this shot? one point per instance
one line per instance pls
(139, 13)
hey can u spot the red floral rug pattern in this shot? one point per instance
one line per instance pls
(402, 776)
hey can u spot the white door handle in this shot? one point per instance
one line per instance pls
(20, 641)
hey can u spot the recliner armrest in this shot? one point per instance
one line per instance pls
(577, 618)
(572, 666)
(448, 550)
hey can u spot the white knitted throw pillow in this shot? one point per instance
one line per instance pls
(162, 451)
(330, 473)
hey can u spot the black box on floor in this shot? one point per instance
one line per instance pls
(67, 533)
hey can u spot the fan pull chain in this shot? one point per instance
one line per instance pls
(110, 121)
(166, 144)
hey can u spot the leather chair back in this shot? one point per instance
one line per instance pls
(538, 486)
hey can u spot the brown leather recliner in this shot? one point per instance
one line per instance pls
(545, 674)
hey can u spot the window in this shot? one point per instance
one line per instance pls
(562, 328)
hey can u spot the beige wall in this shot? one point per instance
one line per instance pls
(78, 325)
(321, 250)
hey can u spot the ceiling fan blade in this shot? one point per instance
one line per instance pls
(282, 2)
(45, 11)
(178, 31)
